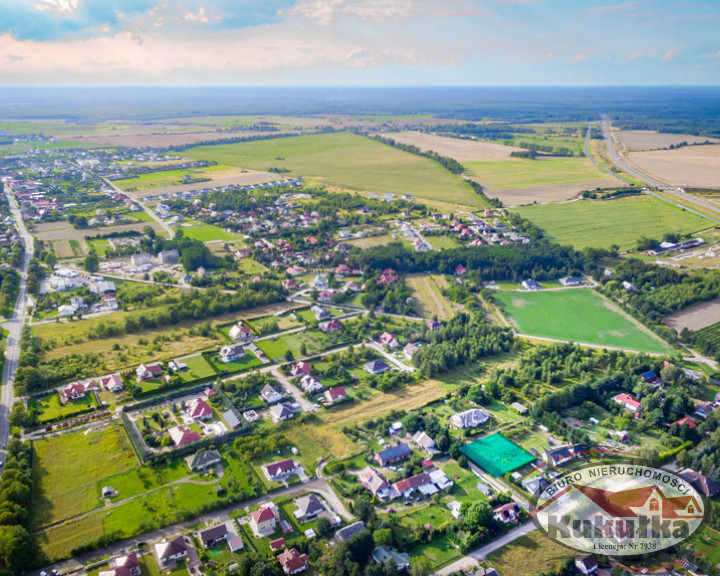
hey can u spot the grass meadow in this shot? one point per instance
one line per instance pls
(579, 315)
(525, 173)
(603, 223)
(208, 233)
(348, 161)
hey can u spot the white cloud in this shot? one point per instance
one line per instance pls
(61, 6)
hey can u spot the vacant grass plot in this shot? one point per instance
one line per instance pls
(349, 161)
(208, 233)
(531, 554)
(67, 468)
(428, 292)
(603, 223)
(578, 315)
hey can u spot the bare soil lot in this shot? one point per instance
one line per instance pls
(545, 194)
(460, 150)
(637, 140)
(158, 139)
(695, 166)
(245, 179)
(69, 233)
(695, 317)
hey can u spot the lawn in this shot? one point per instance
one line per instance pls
(603, 223)
(428, 292)
(525, 173)
(68, 468)
(197, 367)
(250, 361)
(349, 161)
(531, 554)
(208, 233)
(578, 315)
(50, 407)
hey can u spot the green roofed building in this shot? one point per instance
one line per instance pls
(496, 454)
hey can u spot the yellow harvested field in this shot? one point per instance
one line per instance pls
(545, 194)
(220, 178)
(69, 233)
(693, 166)
(370, 241)
(63, 248)
(636, 140)
(157, 139)
(460, 149)
(695, 317)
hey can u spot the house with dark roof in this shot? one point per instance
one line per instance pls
(586, 564)
(507, 513)
(376, 367)
(171, 551)
(308, 507)
(282, 412)
(393, 454)
(421, 482)
(292, 562)
(127, 565)
(703, 484)
(231, 353)
(278, 471)
(214, 535)
(203, 460)
(564, 454)
(349, 531)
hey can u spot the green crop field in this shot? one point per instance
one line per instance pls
(208, 233)
(578, 315)
(67, 469)
(602, 223)
(348, 161)
(525, 173)
(166, 178)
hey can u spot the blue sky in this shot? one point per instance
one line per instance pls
(360, 42)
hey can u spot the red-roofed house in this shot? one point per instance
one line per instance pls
(277, 544)
(74, 391)
(388, 340)
(507, 513)
(409, 485)
(180, 435)
(198, 409)
(300, 369)
(147, 371)
(629, 403)
(686, 420)
(330, 326)
(292, 562)
(113, 382)
(336, 394)
(264, 520)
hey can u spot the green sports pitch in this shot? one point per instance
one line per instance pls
(497, 455)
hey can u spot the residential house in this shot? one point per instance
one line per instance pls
(148, 371)
(282, 412)
(535, 485)
(349, 531)
(433, 324)
(530, 284)
(74, 391)
(440, 479)
(277, 544)
(320, 282)
(280, 470)
(703, 409)
(388, 340)
(586, 564)
(300, 369)
(421, 482)
(320, 313)
(394, 454)
(269, 395)
(685, 421)
(383, 554)
(231, 353)
(169, 256)
(471, 418)
(198, 409)
(376, 484)
(292, 562)
(410, 349)
(127, 565)
(310, 384)
(376, 367)
(235, 543)
(263, 521)
(203, 460)
(564, 454)
(480, 571)
(424, 442)
(330, 326)
(628, 402)
(335, 395)
(703, 484)
(214, 535)
(169, 552)
(507, 513)
(241, 333)
(113, 382)
(180, 435)
(308, 507)
(231, 419)
(571, 281)
(650, 377)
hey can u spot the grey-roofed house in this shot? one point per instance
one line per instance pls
(382, 554)
(349, 531)
(469, 418)
(394, 454)
(424, 442)
(231, 419)
(203, 460)
(376, 367)
(171, 551)
(212, 536)
(106, 287)
(308, 507)
(281, 412)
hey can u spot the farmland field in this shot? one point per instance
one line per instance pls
(64, 491)
(697, 166)
(523, 181)
(695, 317)
(636, 140)
(460, 149)
(208, 233)
(427, 290)
(603, 223)
(69, 233)
(578, 315)
(349, 161)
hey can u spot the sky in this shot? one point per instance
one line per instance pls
(360, 42)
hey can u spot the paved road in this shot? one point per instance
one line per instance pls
(586, 151)
(476, 556)
(15, 324)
